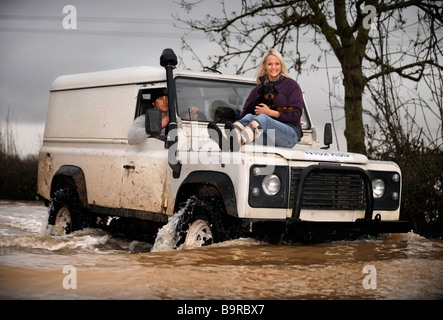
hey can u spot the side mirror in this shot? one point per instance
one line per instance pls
(153, 122)
(327, 136)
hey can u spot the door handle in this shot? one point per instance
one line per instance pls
(129, 167)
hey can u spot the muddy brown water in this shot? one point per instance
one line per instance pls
(93, 264)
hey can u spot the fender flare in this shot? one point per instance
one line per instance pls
(72, 177)
(218, 180)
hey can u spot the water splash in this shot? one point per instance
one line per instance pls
(166, 239)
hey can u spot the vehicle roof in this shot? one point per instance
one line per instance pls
(132, 75)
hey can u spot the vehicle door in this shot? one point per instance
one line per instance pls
(145, 170)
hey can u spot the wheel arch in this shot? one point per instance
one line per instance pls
(212, 184)
(69, 176)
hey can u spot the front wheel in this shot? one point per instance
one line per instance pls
(199, 234)
(204, 222)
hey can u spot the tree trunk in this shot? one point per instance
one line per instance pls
(353, 83)
(350, 51)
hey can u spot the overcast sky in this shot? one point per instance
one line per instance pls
(35, 48)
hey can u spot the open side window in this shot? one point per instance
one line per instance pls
(144, 100)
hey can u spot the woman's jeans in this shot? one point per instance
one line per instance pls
(275, 132)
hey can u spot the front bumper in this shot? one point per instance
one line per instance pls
(297, 228)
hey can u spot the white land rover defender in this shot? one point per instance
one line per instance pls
(89, 175)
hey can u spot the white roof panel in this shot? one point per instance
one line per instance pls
(141, 74)
(123, 76)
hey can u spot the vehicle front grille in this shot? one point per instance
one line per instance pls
(328, 189)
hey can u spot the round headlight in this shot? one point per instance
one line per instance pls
(271, 185)
(378, 188)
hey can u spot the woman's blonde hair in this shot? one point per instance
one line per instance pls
(261, 69)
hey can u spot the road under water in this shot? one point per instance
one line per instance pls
(93, 264)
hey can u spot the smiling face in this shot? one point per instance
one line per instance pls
(272, 67)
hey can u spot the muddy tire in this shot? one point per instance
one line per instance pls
(202, 224)
(199, 234)
(65, 213)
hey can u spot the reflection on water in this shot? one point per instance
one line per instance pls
(34, 265)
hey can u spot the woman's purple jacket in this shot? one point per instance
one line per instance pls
(289, 95)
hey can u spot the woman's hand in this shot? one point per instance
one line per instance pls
(264, 109)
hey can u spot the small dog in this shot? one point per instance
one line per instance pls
(266, 96)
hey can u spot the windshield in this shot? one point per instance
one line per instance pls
(214, 100)
(218, 101)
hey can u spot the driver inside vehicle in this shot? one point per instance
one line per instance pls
(159, 100)
(137, 133)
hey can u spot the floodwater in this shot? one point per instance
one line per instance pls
(93, 264)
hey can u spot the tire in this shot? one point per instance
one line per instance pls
(65, 213)
(198, 234)
(204, 222)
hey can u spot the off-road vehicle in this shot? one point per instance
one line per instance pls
(89, 175)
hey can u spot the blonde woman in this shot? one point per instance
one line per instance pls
(278, 124)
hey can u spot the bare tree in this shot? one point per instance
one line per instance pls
(407, 115)
(8, 146)
(243, 36)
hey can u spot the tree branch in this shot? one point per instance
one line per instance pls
(387, 69)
